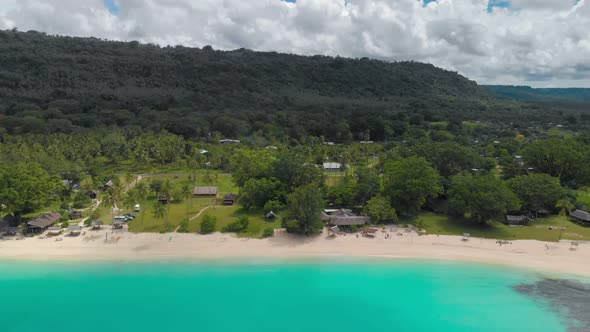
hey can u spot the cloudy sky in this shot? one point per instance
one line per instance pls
(543, 43)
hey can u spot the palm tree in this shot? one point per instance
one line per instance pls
(130, 200)
(160, 211)
(188, 194)
(141, 192)
(565, 206)
(129, 178)
(109, 200)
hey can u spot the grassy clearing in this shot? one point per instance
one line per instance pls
(538, 229)
(228, 214)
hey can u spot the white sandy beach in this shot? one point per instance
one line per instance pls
(124, 246)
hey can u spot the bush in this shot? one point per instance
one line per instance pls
(88, 222)
(273, 205)
(268, 232)
(183, 228)
(208, 224)
(81, 200)
(238, 226)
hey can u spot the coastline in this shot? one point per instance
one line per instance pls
(537, 256)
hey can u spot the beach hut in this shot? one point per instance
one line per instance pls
(118, 224)
(92, 194)
(270, 215)
(75, 215)
(163, 200)
(516, 220)
(370, 231)
(41, 223)
(97, 224)
(74, 230)
(581, 217)
(205, 191)
(229, 199)
(54, 230)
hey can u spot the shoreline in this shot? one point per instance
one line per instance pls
(532, 255)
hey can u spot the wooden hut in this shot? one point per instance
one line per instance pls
(229, 199)
(75, 215)
(96, 224)
(53, 230)
(41, 223)
(370, 231)
(163, 199)
(516, 220)
(205, 191)
(74, 230)
(270, 215)
(92, 194)
(581, 217)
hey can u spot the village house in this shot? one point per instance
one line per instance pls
(581, 217)
(334, 167)
(515, 220)
(343, 217)
(205, 191)
(42, 222)
(229, 141)
(229, 199)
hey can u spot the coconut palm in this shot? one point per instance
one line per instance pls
(188, 194)
(565, 206)
(160, 212)
(130, 200)
(109, 200)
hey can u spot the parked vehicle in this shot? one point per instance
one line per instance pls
(136, 208)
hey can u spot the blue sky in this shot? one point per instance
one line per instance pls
(491, 4)
(112, 6)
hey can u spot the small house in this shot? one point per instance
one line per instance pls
(74, 230)
(92, 194)
(42, 222)
(333, 167)
(163, 199)
(229, 199)
(370, 231)
(107, 185)
(581, 217)
(96, 224)
(516, 220)
(53, 230)
(270, 215)
(205, 191)
(229, 141)
(75, 215)
(343, 217)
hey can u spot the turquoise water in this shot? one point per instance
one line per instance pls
(271, 296)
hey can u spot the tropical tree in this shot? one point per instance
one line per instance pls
(160, 211)
(483, 196)
(565, 206)
(409, 182)
(379, 209)
(110, 200)
(537, 191)
(130, 199)
(304, 208)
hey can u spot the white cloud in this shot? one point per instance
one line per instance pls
(538, 42)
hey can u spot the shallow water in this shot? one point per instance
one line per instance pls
(404, 296)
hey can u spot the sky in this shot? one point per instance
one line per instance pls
(541, 43)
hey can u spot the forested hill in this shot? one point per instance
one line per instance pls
(50, 84)
(555, 95)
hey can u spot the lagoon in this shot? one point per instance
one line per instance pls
(323, 295)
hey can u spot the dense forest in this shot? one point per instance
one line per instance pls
(63, 84)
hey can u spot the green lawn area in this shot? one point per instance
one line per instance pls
(228, 214)
(177, 211)
(537, 230)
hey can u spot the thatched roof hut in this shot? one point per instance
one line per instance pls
(43, 221)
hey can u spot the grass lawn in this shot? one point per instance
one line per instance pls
(228, 214)
(538, 229)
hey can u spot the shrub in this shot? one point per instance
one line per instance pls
(268, 232)
(208, 224)
(183, 228)
(240, 225)
(81, 200)
(88, 222)
(273, 205)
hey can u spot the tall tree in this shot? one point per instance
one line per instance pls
(537, 191)
(483, 197)
(409, 182)
(379, 209)
(304, 208)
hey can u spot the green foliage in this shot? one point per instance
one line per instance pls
(483, 197)
(208, 224)
(240, 225)
(409, 182)
(536, 191)
(268, 232)
(304, 208)
(183, 226)
(379, 209)
(256, 192)
(81, 200)
(273, 205)
(26, 187)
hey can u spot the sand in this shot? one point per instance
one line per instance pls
(123, 246)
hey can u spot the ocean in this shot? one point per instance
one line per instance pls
(320, 295)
